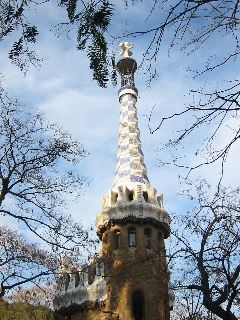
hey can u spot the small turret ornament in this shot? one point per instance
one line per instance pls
(126, 49)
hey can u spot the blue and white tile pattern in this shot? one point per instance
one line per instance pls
(130, 169)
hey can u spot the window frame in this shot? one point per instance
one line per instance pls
(147, 238)
(132, 231)
(116, 239)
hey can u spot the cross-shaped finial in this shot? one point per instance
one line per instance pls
(125, 46)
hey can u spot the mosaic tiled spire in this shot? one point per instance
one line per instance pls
(130, 170)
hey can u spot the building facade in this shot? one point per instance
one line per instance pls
(128, 279)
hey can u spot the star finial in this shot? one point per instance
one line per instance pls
(125, 46)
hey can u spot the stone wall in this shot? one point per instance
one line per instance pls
(136, 269)
(127, 270)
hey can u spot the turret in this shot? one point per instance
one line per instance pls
(128, 278)
(131, 196)
(133, 223)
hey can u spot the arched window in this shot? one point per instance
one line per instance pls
(99, 268)
(91, 273)
(132, 237)
(147, 238)
(66, 279)
(145, 196)
(130, 195)
(116, 239)
(77, 278)
(138, 305)
(81, 279)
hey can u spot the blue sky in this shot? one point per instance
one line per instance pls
(63, 89)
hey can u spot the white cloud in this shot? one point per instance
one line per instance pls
(64, 90)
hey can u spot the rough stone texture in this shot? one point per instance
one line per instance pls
(132, 269)
(127, 270)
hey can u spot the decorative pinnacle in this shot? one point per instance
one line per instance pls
(126, 66)
(125, 52)
(65, 262)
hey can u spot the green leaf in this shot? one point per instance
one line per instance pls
(30, 33)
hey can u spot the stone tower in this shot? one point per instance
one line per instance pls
(128, 279)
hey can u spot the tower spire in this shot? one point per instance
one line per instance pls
(130, 169)
(131, 198)
(128, 278)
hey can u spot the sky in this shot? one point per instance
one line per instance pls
(64, 90)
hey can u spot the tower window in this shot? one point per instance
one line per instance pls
(145, 196)
(138, 306)
(81, 279)
(66, 278)
(132, 237)
(91, 273)
(77, 279)
(116, 239)
(147, 238)
(130, 196)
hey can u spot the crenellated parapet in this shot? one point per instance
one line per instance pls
(139, 203)
(140, 194)
(78, 285)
